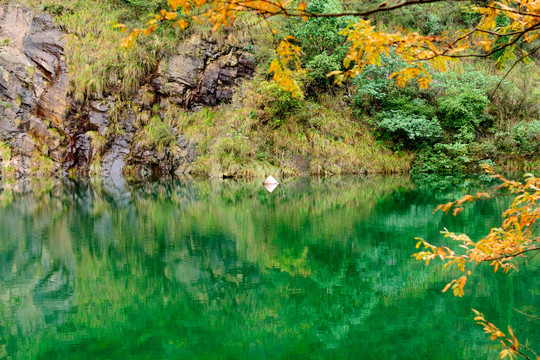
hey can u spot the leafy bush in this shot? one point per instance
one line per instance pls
(483, 149)
(504, 141)
(408, 130)
(318, 67)
(318, 35)
(410, 105)
(374, 87)
(470, 17)
(464, 111)
(274, 103)
(526, 137)
(322, 45)
(442, 158)
(433, 25)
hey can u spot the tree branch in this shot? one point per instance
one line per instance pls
(512, 68)
(510, 255)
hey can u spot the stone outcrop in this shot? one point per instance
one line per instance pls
(33, 84)
(48, 133)
(176, 159)
(202, 73)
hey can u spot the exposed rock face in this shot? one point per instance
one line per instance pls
(176, 159)
(33, 83)
(49, 133)
(203, 73)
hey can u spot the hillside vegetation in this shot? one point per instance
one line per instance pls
(469, 115)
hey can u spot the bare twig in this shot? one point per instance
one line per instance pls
(512, 68)
(529, 315)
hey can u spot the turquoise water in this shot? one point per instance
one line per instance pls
(318, 269)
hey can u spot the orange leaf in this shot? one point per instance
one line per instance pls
(183, 24)
(171, 16)
(447, 287)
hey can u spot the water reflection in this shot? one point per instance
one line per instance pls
(320, 268)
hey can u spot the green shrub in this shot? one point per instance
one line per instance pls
(464, 111)
(374, 88)
(411, 105)
(318, 67)
(323, 47)
(274, 103)
(526, 137)
(469, 17)
(433, 24)
(442, 159)
(317, 35)
(483, 149)
(504, 141)
(409, 130)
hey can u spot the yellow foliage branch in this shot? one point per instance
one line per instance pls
(502, 246)
(368, 44)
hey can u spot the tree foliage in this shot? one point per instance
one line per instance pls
(367, 44)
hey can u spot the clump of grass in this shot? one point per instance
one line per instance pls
(95, 166)
(7, 171)
(41, 166)
(118, 111)
(97, 141)
(5, 152)
(156, 134)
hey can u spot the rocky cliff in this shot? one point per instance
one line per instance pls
(43, 131)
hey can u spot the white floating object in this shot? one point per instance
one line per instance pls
(270, 187)
(270, 180)
(270, 183)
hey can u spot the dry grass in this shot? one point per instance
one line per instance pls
(98, 65)
(311, 139)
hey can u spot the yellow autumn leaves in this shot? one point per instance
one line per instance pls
(421, 54)
(501, 248)
(288, 55)
(509, 342)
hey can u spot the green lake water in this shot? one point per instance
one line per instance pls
(199, 269)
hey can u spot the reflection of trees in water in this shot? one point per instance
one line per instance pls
(214, 269)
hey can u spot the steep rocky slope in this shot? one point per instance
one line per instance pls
(44, 131)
